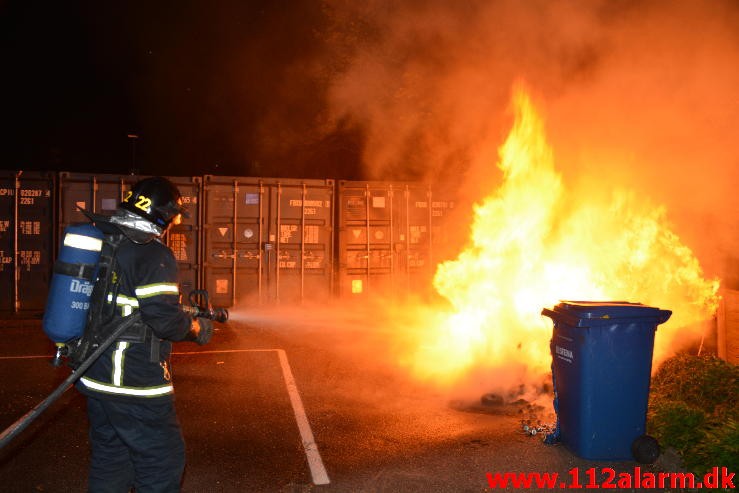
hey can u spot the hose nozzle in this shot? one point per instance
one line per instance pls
(201, 307)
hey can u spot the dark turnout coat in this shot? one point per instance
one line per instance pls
(137, 365)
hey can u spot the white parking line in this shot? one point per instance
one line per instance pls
(317, 469)
(46, 356)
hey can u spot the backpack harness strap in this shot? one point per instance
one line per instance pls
(82, 271)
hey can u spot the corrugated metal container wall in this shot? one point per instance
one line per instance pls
(27, 215)
(267, 240)
(387, 233)
(101, 193)
(184, 238)
(98, 193)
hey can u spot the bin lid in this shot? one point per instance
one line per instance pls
(589, 313)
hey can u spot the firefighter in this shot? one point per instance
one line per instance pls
(135, 436)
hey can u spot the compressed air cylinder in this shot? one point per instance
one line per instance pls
(72, 282)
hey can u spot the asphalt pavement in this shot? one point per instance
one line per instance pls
(290, 405)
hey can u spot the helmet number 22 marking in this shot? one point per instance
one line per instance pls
(143, 203)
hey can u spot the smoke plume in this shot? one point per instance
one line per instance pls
(636, 94)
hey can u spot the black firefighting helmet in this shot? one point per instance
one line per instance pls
(155, 199)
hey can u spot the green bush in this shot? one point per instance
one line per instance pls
(694, 408)
(719, 447)
(705, 382)
(677, 424)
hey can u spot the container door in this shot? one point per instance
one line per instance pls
(387, 237)
(98, 193)
(184, 238)
(26, 241)
(101, 194)
(267, 240)
(300, 232)
(233, 237)
(367, 239)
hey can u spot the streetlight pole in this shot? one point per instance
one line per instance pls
(133, 138)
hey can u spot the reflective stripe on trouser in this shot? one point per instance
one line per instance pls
(136, 445)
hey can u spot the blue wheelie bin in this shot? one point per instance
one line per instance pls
(601, 370)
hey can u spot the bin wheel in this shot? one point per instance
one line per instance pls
(645, 449)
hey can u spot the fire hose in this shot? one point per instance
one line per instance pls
(204, 310)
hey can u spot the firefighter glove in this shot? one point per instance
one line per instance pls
(201, 331)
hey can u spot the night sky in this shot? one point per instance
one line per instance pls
(208, 87)
(637, 95)
(631, 90)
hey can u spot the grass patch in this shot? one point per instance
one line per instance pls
(694, 408)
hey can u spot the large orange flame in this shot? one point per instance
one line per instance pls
(534, 243)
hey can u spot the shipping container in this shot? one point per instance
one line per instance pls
(185, 238)
(27, 216)
(98, 193)
(387, 237)
(101, 194)
(267, 240)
